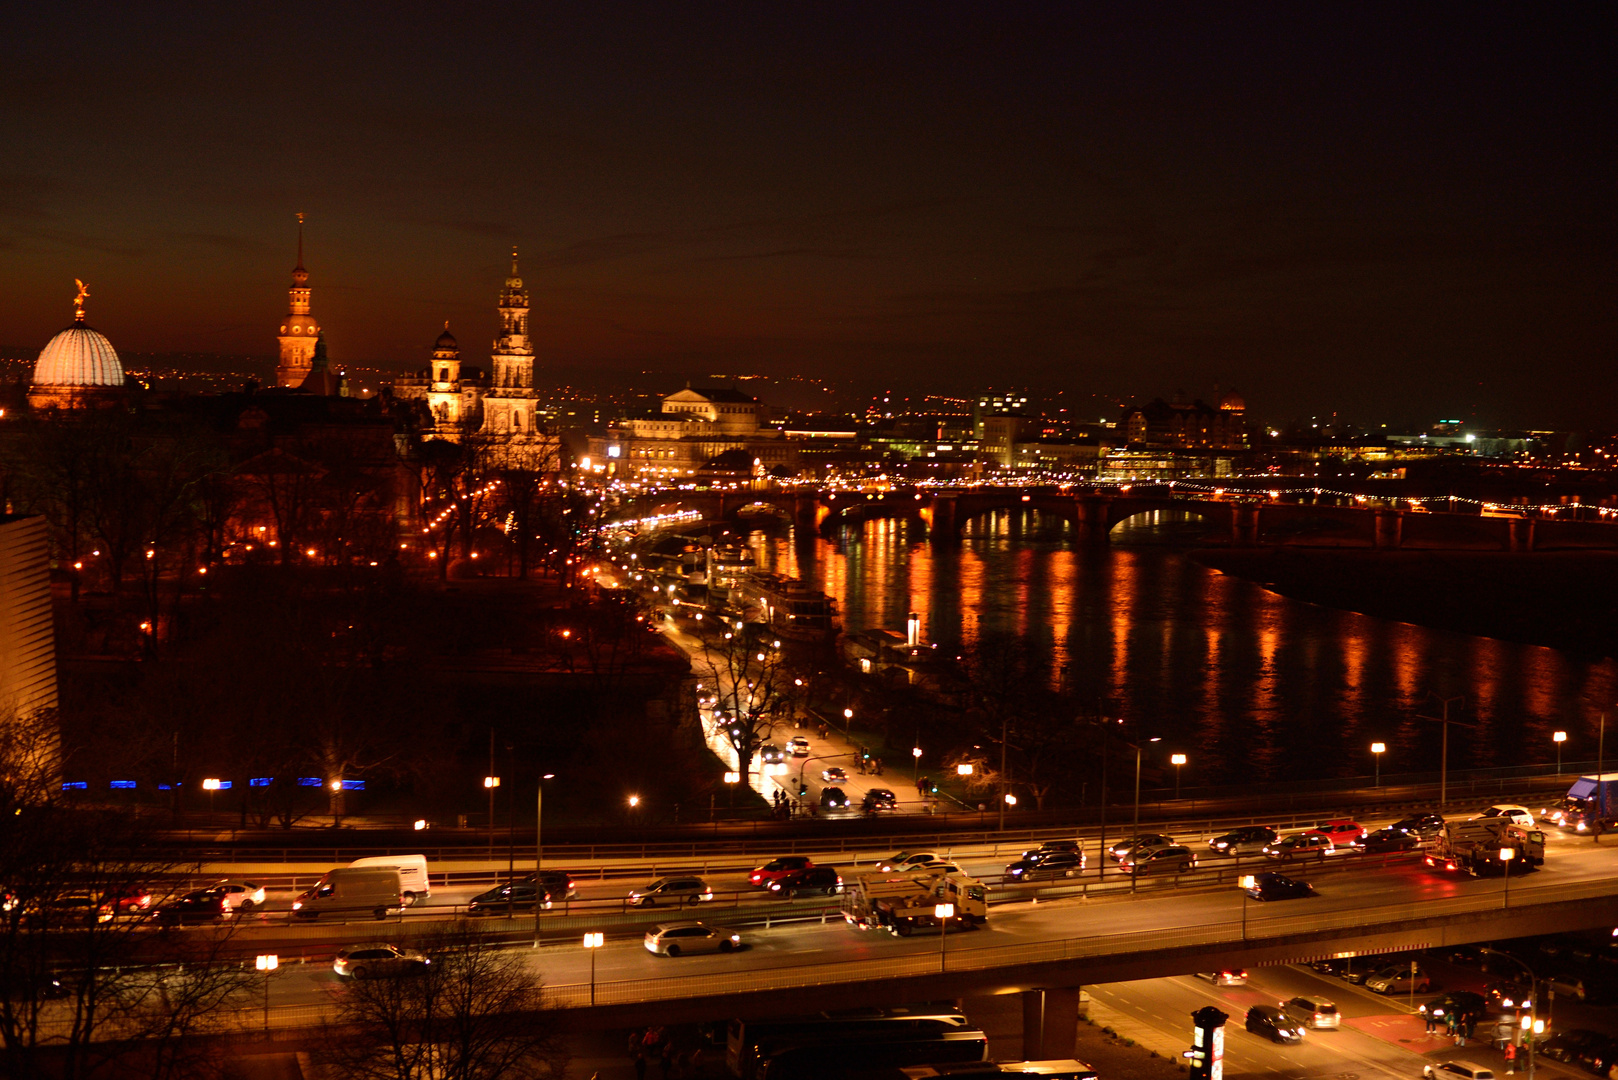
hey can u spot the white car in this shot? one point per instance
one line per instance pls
(908, 860)
(376, 961)
(677, 939)
(239, 895)
(833, 775)
(1517, 815)
(1456, 1070)
(799, 746)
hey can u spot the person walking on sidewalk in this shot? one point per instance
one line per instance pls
(1511, 1058)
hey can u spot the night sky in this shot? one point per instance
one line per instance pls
(1394, 214)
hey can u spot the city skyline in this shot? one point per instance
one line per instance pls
(1396, 217)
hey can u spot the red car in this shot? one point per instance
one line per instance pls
(777, 868)
(1340, 831)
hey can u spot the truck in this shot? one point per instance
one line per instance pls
(351, 891)
(1474, 846)
(1589, 800)
(904, 902)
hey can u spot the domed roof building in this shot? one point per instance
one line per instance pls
(77, 367)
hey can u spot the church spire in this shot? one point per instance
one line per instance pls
(299, 330)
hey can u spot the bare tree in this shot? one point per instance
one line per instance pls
(750, 685)
(475, 1013)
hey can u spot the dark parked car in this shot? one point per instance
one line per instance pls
(1566, 1045)
(1387, 841)
(815, 880)
(203, 905)
(1250, 840)
(786, 864)
(1160, 860)
(1301, 846)
(1273, 1024)
(1272, 886)
(1598, 1055)
(1055, 864)
(517, 899)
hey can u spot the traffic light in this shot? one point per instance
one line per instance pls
(803, 791)
(1207, 1051)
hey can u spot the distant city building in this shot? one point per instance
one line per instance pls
(451, 393)
(28, 696)
(78, 367)
(1187, 425)
(691, 428)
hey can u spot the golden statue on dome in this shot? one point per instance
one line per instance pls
(78, 301)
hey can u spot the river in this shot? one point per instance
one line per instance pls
(1250, 685)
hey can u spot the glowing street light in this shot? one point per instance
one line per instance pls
(1559, 738)
(1377, 750)
(964, 769)
(592, 942)
(267, 963)
(1177, 760)
(943, 913)
(1506, 855)
(489, 784)
(211, 785)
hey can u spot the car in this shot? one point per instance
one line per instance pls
(833, 799)
(239, 895)
(129, 900)
(1421, 826)
(1272, 886)
(1057, 864)
(679, 889)
(1387, 841)
(834, 775)
(879, 800)
(1249, 840)
(1517, 815)
(1273, 1024)
(816, 879)
(1123, 849)
(1313, 1012)
(1462, 1003)
(680, 938)
(1160, 860)
(1566, 1045)
(1503, 997)
(1307, 845)
(1074, 846)
(68, 909)
(1339, 831)
(772, 754)
(374, 961)
(559, 883)
(786, 864)
(905, 860)
(199, 905)
(518, 899)
(1457, 1070)
(1399, 979)
(1225, 977)
(1598, 1056)
(799, 746)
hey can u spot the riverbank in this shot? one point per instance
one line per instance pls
(1560, 599)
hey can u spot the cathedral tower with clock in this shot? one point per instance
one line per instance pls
(299, 331)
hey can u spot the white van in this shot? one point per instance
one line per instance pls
(412, 874)
(347, 891)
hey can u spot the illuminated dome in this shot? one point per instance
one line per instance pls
(446, 340)
(77, 367)
(1232, 402)
(79, 356)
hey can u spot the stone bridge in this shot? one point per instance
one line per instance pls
(1242, 521)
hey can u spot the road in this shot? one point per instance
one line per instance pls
(788, 951)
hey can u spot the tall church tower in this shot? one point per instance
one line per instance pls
(299, 331)
(508, 408)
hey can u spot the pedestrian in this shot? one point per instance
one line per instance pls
(1470, 1028)
(1428, 1020)
(1450, 1025)
(1511, 1058)
(665, 1058)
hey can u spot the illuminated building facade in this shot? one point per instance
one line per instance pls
(1187, 425)
(78, 367)
(691, 428)
(299, 331)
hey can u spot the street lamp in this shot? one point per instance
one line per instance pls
(964, 769)
(210, 785)
(267, 963)
(490, 783)
(1506, 855)
(1246, 882)
(592, 942)
(731, 780)
(540, 892)
(1135, 878)
(1011, 800)
(943, 913)
(1559, 738)
(1535, 1025)
(1177, 760)
(1377, 750)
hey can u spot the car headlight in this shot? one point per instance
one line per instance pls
(736, 939)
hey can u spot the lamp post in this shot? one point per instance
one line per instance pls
(1134, 878)
(731, 780)
(1506, 855)
(490, 783)
(1377, 750)
(539, 852)
(1559, 738)
(1246, 882)
(943, 913)
(1443, 760)
(592, 942)
(1177, 760)
(210, 785)
(267, 963)
(1535, 1025)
